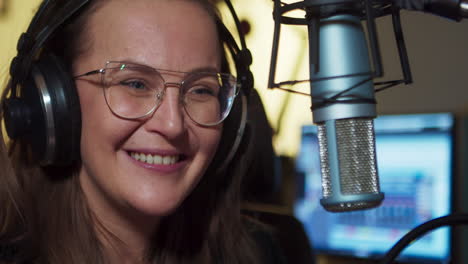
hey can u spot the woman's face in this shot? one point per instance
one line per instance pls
(172, 35)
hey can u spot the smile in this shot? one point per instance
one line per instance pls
(155, 159)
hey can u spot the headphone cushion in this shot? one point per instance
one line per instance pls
(56, 116)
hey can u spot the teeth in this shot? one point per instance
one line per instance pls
(149, 159)
(155, 159)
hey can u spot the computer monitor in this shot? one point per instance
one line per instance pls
(415, 164)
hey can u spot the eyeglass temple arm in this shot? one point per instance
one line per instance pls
(90, 73)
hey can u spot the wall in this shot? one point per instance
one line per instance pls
(13, 21)
(439, 60)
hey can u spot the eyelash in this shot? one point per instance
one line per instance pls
(130, 82)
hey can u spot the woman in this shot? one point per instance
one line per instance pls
(147, 186)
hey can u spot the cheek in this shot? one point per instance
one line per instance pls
(92, 111)
(205, 143)
(210, 140)
(99, 126)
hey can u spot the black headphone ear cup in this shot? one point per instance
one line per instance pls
(50, 94)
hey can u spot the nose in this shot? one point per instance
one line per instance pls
(169, 118)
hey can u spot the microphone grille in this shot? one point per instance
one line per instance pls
(355, 150)
(324, 162)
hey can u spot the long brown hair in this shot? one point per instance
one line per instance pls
(44, 217)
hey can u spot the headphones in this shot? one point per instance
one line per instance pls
(43, 108)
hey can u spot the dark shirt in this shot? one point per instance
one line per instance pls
(270, 251)
(8, 253)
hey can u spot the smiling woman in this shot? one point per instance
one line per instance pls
(118, 118)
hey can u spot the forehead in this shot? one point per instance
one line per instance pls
(178, 35)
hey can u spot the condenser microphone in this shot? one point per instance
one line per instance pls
(343, 108)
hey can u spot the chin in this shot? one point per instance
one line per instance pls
(157, 206)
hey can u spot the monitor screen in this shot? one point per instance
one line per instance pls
(414, 157)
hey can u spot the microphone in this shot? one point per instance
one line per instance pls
(343, 108)
(343, 101)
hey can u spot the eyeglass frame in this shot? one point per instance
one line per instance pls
(160, 95)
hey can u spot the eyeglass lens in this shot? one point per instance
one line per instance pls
(135, 91)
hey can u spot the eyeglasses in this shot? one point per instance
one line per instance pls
(134, 91)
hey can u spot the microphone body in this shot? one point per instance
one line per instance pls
(343, 108)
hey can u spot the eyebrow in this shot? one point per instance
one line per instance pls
(194, 70)
(204, 69)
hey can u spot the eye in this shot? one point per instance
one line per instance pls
(203, 91)
(135, 88)
(135, 84)
(202, 86)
